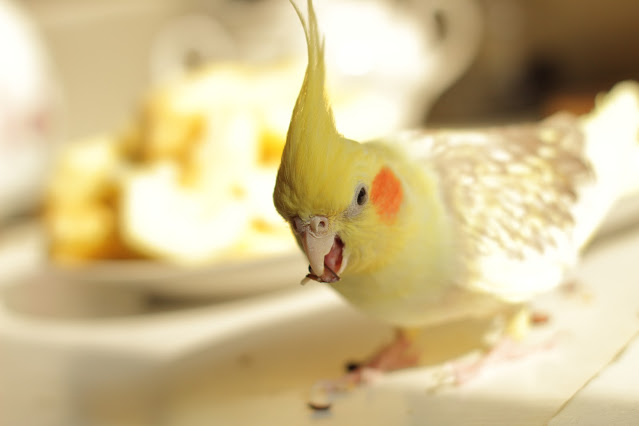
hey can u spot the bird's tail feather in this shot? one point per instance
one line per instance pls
(612, 131)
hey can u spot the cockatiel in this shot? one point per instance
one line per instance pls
(435, 226)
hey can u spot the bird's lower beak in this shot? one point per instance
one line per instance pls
(324, 254)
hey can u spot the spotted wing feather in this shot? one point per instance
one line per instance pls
(510, 192)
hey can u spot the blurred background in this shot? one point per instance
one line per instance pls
(139, 140)
(190, 100)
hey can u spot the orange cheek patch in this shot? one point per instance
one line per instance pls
(386, 195)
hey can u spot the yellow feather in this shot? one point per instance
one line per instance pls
(318, 174)
(313, 143)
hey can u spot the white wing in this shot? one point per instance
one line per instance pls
(513, 194)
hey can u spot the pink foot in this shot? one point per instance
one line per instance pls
(506, 350)
(400, 353)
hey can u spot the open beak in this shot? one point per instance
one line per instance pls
(316, 249)
(323, 248)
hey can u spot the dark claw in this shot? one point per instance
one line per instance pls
(352, 366)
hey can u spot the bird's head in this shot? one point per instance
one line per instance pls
(340, 198)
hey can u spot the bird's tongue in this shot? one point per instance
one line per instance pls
(333, 260)
(332, 263)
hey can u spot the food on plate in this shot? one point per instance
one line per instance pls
(188, 181)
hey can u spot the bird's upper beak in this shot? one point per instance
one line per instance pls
(323, 248)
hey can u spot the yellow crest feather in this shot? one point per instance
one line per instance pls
(312, 112)
(313, 144)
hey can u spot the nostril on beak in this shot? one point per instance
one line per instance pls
(319, 225)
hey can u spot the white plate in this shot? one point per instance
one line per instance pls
(219, 280)
(23, 256)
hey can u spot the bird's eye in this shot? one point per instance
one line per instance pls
(362, 196)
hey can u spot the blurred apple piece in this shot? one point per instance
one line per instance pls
(81, 213)
(166, 220)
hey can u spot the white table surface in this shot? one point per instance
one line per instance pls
(252, 362)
